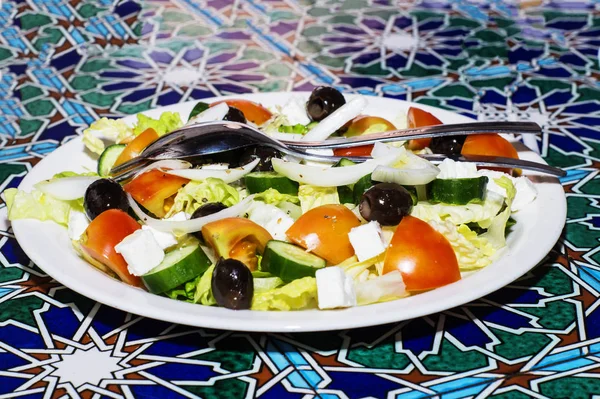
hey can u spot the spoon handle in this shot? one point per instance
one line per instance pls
(422, 132)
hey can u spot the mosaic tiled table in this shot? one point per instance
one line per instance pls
(65, 63)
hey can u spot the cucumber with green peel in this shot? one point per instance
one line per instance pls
(198, 109)
(412, 190)
(257, 182)
(290, 262)
(108, 158)
(343, 162)
(457, 191)
(266, 283)
(361, 186)
(179, 266)
(346, 195)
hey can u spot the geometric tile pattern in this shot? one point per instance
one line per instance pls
(65, 63)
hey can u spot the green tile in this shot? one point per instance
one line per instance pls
(30, 20)
(39, 107)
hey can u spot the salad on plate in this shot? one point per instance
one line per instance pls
(255, 229)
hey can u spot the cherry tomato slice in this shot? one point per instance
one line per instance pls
(137, 145)
(489, 144)
(99, 240)
(419, 118)
(252, 111)
(237, 238)
(324, 231)
(153, 188)
(360, 151)
(423, 256)
(365, 124)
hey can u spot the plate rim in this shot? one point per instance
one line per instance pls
(160, 308)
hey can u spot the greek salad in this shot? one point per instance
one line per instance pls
(256, 229)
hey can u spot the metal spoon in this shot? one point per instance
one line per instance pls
(191, 143)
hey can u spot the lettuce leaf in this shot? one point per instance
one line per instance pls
(360, 271)
(184, 292)
(298, 294)
(472, 251)
(203, 294)
(104, 129)
(73, 174)
(483, 214)
(195, 194)
(167, 122)
(274, 197)
(380, 289)
(312, 196)
(496, 233)
(37, 205)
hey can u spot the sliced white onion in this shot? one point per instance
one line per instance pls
(191, 225)
(66, 188)
(415, 171)
(330, 177)
(165, 164)
(216, 113)
(388, 286)
(227, 175)
(336, 120)
(382, 149)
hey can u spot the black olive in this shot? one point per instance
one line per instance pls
(264, 153)
(386, 203)
(234, 115)
(102, 195)
(205, 210)
(449, 145)
(232, 284)
(323, 101)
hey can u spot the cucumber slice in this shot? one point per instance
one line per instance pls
(198, 109)
(266, 283)
(179, 266)
(457, 191)
(108, 157)
(344, 162)
(257, 182)
(346, 195)
(361, 186)
(290, 262)
(412, 190)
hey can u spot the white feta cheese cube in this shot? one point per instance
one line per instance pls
(141, 252)
(526, 193)
(450, 169)
(163, 238)
(367, 240)
(335, 289)
(78, 222)
(273, 219)
(295, 112)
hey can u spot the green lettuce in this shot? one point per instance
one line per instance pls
(197, 193)
(361, 271)
(167, 122)
(472, 251)
(203, 294)
(496, 233)
(298, 294)
(274, 197)
(312, 196)
(73, 174)
(113, 130)
(195, 291)
(37, 205)
(483, 214)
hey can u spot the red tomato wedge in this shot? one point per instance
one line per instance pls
(137, 145)
(419, 118)
(359, 151)
(489, 144)
(324, 232)
(253, 112)
(423, 256)
(151, 189)
(237, 238)
(99, 240)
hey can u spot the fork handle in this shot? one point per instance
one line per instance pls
(422, 132)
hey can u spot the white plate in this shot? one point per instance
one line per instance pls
(538, 228)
